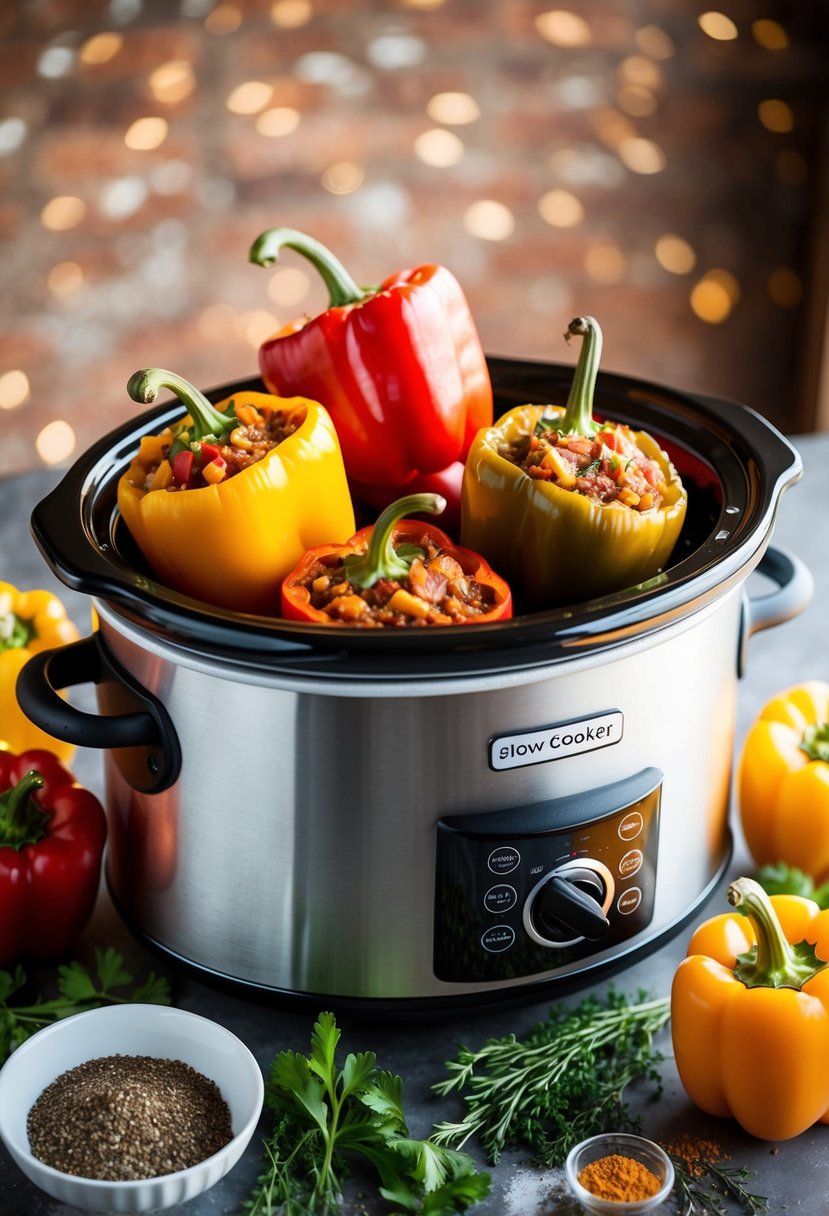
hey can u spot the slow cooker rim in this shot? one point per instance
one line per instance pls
(88, 559)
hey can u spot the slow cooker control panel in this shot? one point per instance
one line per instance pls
(532, 888)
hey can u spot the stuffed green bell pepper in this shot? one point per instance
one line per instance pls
(565, 507)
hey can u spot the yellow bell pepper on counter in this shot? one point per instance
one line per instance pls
(217, 513)
(557, 536)
(750, 1013)
(30, 621)
(783, 781)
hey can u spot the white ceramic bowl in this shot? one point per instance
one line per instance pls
(606, 1145)
(130, 1030)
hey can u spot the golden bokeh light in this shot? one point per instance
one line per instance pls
(62, 213)
(223, 19)
(636, 100)
(675, 254)
(343, 177)
(65, 279)
(770, 35)
(453, 109)
(637, 69)
(56, 442)
(216, 322)
(564, 28)
(145, 134)
(605, 263)
(100, 48)
(289, 286)
(489, 220)
(713, 298)
(438, 148)
(278, 121)
(255, 326)
(776, 115)
(173, 81)
(423, 4)
(641, 155)
(251, 97)
(718, 26)
(785, 287)
(652, 40)
(15, 389)
(291, 14)
(612, 127)
(561, 209)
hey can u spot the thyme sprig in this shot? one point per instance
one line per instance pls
(560, 1083)
(726, 1182)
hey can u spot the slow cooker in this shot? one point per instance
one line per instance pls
(423, 817)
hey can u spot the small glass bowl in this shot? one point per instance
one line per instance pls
(133, 1030)
(606, 1145)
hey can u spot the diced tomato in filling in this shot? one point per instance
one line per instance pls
(248, 443)
(606, 467)
(436, 592)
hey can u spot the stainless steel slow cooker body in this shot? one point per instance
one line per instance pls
(438, 816)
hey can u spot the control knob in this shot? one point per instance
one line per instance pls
(570, 904)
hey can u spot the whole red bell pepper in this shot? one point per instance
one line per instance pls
(52, 835)
(399, 367)
(390, 560)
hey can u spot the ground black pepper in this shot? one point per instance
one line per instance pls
(128, 1117)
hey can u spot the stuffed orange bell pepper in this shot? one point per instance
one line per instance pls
(750, 1013)
(564, 506)
(224, 503)
(397, 573)
(30, 621)
(783, 781)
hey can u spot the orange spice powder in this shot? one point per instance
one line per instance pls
(619, 1178)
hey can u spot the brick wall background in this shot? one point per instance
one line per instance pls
(639, 160)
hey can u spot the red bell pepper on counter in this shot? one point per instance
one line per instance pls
(397, 573)
(399, 367)
(52, 835)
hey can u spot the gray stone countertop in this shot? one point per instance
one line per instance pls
(793, 1175)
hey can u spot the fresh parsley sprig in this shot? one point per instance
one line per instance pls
(78, 991)
(560, 1083)
(325, 1112)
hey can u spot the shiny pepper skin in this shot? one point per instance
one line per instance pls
(51, 846)
(751, 1039)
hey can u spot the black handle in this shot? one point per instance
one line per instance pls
(133, 724)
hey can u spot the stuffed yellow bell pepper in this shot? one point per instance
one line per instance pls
(30, 621)
(750, 1014)
(567, 508)
(224, 503)
(783, 781)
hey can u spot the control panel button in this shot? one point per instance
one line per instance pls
(631, 826)
(498, 938)
(504, 860)
(629, 901)
(500, 899)
(630, 863)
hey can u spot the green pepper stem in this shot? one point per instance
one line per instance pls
(14, 632)
(341, 287)
(143, 387)
(381, 559)
(21, 819)
(776, 963)
(578, 414)
(815, 741)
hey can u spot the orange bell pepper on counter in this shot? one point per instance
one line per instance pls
(783, 781)
(223, 504)
(750, 1013)
(30, 621)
